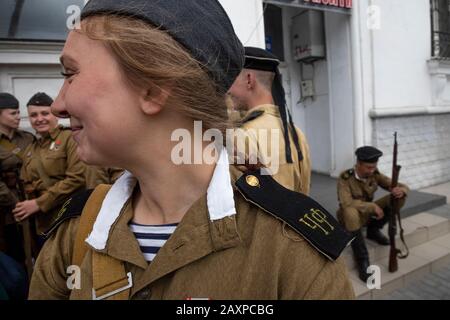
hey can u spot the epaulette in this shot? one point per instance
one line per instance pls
(252, 116)
(72, 208)
(302, 213)
(27, 133)
(347, 174)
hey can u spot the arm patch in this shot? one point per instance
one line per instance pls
(303, 214)
(347, 174)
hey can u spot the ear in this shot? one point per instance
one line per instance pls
(153, 100)
(250, 80)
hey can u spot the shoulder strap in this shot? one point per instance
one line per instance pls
(110, 279)
(347, 174)
(71, 209)
(252, 116)
(88, 216)
(302, 213)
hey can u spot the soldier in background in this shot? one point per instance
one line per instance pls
(356, 189)
(259, 92)
(95, 175)
(13, 143)
(52, 170)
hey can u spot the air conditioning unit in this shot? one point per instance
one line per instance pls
(308, 36)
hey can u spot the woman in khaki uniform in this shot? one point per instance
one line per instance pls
(52, 170)
(169, 229)
(13, 143)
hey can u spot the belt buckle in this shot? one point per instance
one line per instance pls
(109, 294)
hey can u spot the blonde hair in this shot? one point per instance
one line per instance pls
(151, 58)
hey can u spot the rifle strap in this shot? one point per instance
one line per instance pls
(402, 238)
(109, 276)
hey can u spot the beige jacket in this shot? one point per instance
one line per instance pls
(353, 192)
(213, 253)
(295, 176)
(65, 172)
(11, 160)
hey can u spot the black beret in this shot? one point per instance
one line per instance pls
(40, 99)
(8, 101)
(368, 154)
(260, 59)
(201, 26)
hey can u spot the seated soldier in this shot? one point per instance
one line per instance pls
(356, 190)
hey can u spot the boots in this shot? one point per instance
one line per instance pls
(376, 235)
(361, 255)
(374, 229)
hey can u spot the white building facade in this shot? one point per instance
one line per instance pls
(384, 69)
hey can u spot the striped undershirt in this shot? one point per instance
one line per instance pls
(152, 238)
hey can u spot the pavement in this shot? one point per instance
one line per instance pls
(433, 286)
(436, 285)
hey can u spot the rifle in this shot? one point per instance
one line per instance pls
(395, 253)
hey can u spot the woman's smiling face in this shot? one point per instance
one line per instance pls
(100, 102)
(41, 119)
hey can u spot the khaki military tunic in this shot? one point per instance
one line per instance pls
(95, 175)
(53, 170)
(356, 197)
(249, 255)
(11, 153)
(11, 160)
(295, 176)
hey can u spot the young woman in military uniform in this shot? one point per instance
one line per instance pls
(52, 170)
(135, 75)
(13, 143)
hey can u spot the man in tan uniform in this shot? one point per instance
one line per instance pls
(13, 143)
(95, 175)
(52, 170)
(258, 90)
(356, 189)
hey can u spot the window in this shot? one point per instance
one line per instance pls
(273, 26)
(42, 20)
(440, 24)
